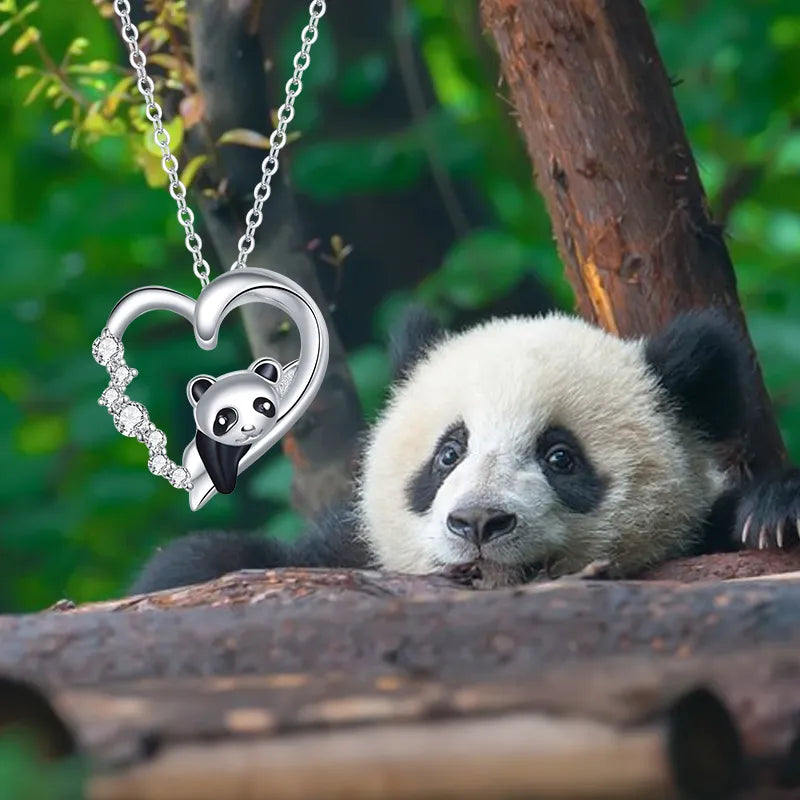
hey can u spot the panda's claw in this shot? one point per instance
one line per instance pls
(771, 507)
(763, 544)
(746, 528)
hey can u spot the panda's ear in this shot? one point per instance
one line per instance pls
(702, 362)
(267, 368)
(414, 334)
(197, 387)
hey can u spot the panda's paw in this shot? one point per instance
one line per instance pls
(768, 515)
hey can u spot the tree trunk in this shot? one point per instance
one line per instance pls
(613, 163)
(230, 67)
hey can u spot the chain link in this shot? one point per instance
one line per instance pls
(277, 140)
(169, 163)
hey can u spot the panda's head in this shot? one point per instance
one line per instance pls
(541, 444)
(237, 408)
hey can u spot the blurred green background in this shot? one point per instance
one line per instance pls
(81, 227)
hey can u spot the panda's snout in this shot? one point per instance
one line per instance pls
(480, 525)
(248, 428)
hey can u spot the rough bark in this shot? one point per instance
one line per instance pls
(327, 665)
(229, 63)
(612, 160)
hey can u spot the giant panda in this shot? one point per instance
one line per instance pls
(532, 447)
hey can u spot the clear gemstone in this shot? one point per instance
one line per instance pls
(122, 376)
(179, 478)
(106, 348)
(158, 464)
(109, 397)
(155, 440)
(129, 418)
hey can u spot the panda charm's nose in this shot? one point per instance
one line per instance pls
(480, 525)
(248, 428)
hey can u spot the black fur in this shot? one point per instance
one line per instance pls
(701, 361)
(770, 504)
(422, 488)
(417, 331)
(199, 557)
(220, 460)
(703, 364)
(580, 490)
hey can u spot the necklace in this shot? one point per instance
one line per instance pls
(241, 414)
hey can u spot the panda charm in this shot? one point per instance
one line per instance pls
(233, 412)
(239, 415)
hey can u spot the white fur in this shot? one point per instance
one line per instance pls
(509, 380)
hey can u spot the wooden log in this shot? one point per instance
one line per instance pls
(518, 755)
(363, 624)
(324, 665)
(611, 158)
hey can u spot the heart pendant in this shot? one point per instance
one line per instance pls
(239, 415)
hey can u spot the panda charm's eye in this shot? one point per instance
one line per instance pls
(450, 453)
(224, 421)
(560, 459)
(264, 406)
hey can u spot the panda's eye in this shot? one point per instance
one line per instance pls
(450, 453)
(560, 459)
(224, 421)
(264, 406)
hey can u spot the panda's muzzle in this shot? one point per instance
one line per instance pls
(479, 525)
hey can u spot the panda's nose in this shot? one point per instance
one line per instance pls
(248, 428)
(479, 525)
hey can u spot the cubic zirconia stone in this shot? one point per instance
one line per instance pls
(106, 348)
(110, 396)
(155, 440)
(179, 478)
(158, 464)
(122, 376)
(129, 418)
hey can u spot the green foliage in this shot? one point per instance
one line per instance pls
(80, 226)
(24, 776)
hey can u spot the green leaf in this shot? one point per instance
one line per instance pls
(192, 168)
(480, 268)
(36, 89)
(27, 38)
(41, 435)
(274, 481)
(175, 130)
(245, 137)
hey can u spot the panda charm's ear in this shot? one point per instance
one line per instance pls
(416, 332)
(702, 362)
(197, 387)
(267, 368)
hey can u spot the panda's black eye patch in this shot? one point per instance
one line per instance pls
(224, 421)
(264, 406)
(448, 452)
(568, 471)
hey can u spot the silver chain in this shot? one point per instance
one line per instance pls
(269, 165)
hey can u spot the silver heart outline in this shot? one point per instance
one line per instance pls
(206, 314)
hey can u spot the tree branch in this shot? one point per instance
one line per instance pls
(230, 69)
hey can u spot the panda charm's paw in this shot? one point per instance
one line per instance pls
(769, 512)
